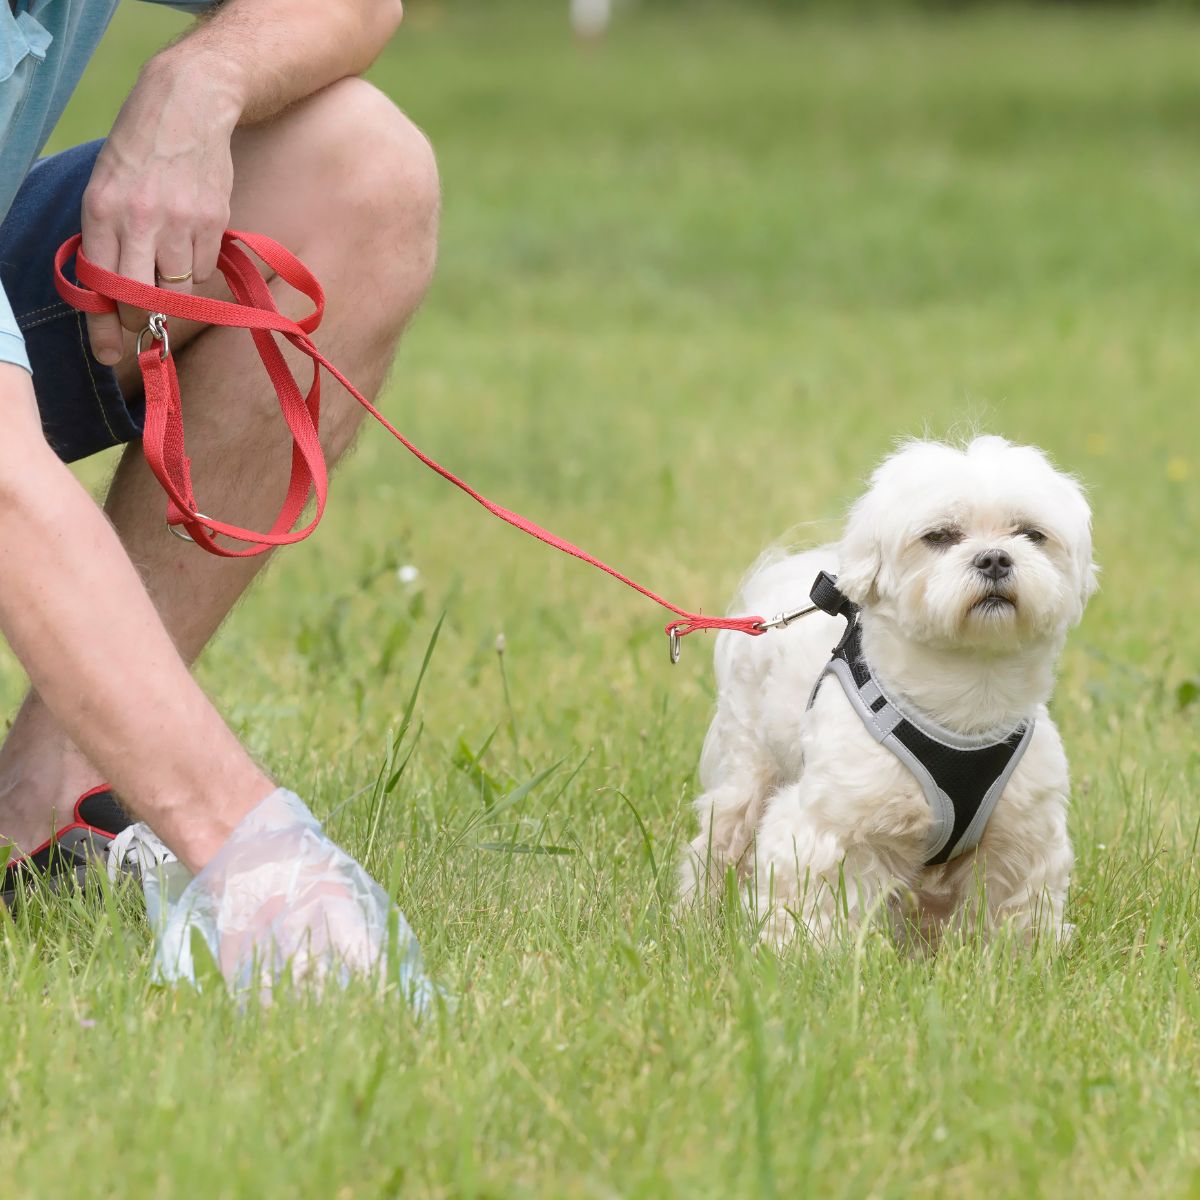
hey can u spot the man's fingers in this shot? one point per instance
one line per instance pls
(174, 267)
(137, 262)
(205, 252)
(104, 333)
(100, 245)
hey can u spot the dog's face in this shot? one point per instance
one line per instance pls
(988, 547)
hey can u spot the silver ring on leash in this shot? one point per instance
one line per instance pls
(675, 641)
(156, 327)
(183, 535)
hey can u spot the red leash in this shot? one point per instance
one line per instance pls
(254, 309)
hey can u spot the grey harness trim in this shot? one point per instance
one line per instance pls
(962, 776)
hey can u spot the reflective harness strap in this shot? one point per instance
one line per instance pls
(962, 777)
(253, 308)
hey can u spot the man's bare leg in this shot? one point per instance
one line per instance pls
(364, 218)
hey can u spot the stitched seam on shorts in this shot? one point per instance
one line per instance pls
(87, 362)
(59, 304)
(58, 316)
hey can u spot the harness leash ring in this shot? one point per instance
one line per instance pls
(253, 308)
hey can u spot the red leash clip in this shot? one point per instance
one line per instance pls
(253, 309)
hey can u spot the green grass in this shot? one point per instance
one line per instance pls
(692, 286)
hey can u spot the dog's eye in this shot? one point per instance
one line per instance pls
(1036, 536)
(941, 538)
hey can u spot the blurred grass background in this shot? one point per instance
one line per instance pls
(695, 280)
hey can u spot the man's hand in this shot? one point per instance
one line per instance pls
(158, 200)
(159, 197)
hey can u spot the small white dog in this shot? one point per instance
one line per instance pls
(964, 570)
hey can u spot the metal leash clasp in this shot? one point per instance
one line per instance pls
(779, 621)
(784, 619)
(156, 327)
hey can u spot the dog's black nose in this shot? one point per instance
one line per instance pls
(995, 564)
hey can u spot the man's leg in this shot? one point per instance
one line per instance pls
(349, 185)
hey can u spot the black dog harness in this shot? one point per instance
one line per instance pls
(962, 777)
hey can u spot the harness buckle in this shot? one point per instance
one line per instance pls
(156, 327)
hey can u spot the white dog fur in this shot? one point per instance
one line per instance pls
(825, 827)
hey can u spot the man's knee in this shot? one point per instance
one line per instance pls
(380, 182)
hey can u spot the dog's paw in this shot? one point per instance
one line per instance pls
(1064, 936)
(778, 928)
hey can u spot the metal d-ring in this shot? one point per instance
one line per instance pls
(675, 642)
(183, 535)
(156, 327)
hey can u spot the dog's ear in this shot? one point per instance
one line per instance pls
(860, 553)
(1089, 581)
(1086, 571)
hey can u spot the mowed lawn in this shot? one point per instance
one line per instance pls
(693, 285)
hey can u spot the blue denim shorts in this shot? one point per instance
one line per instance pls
(83, 410)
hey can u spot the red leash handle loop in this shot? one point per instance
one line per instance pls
(102, 290)
(253, 308)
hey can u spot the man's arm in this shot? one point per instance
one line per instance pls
(77, 616)
(159, 196)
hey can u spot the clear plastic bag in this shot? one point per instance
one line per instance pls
(279, 898)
